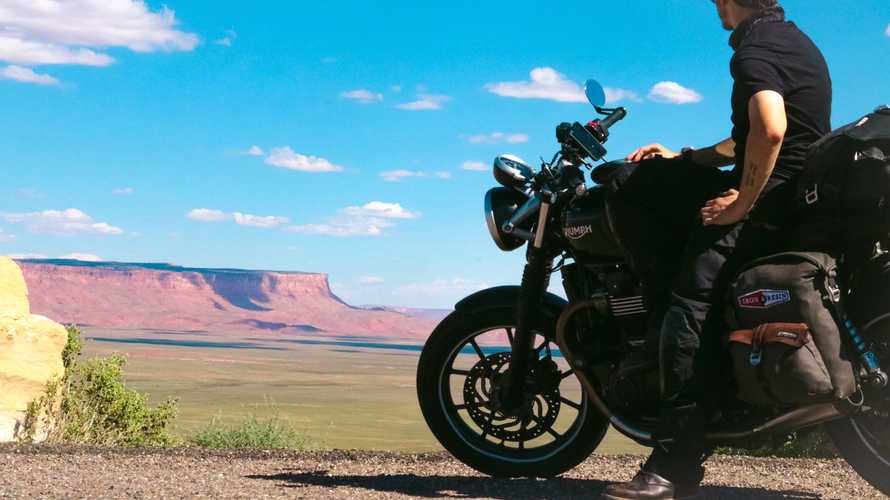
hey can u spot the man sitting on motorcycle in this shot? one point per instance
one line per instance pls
(781, 102)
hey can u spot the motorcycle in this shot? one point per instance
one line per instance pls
(519, 382)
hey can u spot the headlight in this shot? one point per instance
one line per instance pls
(500, 204)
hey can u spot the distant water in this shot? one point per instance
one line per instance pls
(186, 343)
(343, 345)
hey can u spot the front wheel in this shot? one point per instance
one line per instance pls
(863, 441)
(459, 381)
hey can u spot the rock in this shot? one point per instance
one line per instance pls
(30, 350)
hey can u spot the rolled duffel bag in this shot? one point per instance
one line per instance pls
(787, 349)
(843, 192)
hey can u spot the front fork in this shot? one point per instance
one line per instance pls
(535, 280)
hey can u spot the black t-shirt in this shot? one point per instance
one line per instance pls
(773, 54)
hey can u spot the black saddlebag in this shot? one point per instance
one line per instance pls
(869, 300)
(844, 192)
(787, 349)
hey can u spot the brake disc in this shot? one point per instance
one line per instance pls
(480, 391)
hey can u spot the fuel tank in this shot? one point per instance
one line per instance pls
(586, 229)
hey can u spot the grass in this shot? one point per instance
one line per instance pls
(813, 443)
(268, 433)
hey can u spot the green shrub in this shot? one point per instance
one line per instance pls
(254, 433)
(91, 405)
(814, 443)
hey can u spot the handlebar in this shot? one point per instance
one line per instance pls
(613, 118)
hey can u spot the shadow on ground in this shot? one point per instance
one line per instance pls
(472, 487)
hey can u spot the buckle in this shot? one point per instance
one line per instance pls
(812, 197)
(756, 358)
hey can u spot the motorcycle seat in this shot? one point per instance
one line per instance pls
(603, 173)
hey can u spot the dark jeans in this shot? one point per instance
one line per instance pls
(686, 281)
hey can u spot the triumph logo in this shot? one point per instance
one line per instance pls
(577, 232)
(762, 299)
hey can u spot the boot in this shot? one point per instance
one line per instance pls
(650, 486)
(673, 474)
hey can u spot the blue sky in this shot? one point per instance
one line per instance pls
(295, 136)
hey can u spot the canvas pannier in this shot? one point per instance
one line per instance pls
(787, 348)
(843, 194)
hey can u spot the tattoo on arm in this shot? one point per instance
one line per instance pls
(749, 177)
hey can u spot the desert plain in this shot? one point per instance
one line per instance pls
(342, 392)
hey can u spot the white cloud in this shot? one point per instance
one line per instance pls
(26, 75)
(207, 215)
(61, 222)
(370, 219)
(673, 93)
(425, 102)
(498, 138)
(440, 287)
(124, 191)
(242, 219)
(263, 221)
(397, 175)
(86, 257)
(888, 30)
(614, 95)
(476, 166)
(381, 209)
(6, 237)
(255, 151)
(228, 39)
(18, 51)
(545, 83)
(286, 158)
(63, 31)
(396, 88)
(22, 256)
(363, 96)
(370, 280)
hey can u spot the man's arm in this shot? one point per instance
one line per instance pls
(766, 111)
(718, 155)
(721, 154)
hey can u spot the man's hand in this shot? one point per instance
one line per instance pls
(724, 210)
(651, 151)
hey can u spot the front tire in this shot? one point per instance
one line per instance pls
(864, 442)
(464, 416)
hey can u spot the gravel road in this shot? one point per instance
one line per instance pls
(77, 472)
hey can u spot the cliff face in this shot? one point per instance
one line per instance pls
(160, 296)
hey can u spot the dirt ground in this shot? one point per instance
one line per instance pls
(76, 472)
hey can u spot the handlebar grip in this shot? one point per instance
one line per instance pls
(614, 118)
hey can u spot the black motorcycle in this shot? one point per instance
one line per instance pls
(518, 382)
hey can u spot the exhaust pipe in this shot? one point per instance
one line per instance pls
(795, 419)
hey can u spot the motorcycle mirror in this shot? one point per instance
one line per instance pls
(595, 93)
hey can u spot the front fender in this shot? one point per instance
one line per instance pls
(508, 296)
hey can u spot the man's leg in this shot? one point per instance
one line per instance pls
(676, 470)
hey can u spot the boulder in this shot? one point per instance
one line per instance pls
(30, 350)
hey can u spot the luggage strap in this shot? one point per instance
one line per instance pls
(794, 335)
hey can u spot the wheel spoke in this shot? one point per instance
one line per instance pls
(571, 403)
(477, 349)
(464, 373)
(553, 433)
(510, 335)
(566, 374)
